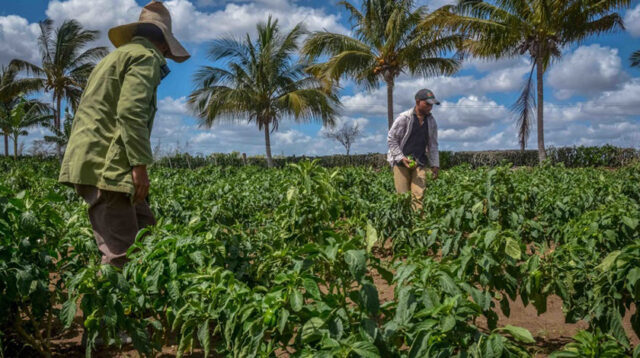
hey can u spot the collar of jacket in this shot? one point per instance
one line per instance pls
(146, 43)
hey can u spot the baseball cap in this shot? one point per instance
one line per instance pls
(426, 95)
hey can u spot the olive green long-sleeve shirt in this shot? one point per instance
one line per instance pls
(112, 126)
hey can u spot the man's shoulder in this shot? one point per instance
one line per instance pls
(406, 114)
(137, 51)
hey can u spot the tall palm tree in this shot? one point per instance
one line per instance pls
(11, 88)
(24, 115)
(261, 83)
(66, 63)
(635, 59)
(387, 40)
(537, 28)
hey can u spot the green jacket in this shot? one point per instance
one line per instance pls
(112, 126)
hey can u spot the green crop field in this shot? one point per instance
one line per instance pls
(305, 261)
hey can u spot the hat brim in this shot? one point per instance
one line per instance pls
(122, 34)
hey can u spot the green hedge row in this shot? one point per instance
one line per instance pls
(571, 157)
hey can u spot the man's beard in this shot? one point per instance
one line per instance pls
(424, 113)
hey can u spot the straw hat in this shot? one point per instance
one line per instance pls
(153, 13)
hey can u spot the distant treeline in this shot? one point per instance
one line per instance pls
(571, 157)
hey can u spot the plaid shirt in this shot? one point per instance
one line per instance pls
(399, 133)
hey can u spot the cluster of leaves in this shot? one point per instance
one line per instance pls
(254, 262)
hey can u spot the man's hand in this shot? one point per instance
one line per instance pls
(434, 172)
(140, 182)
(405, 161)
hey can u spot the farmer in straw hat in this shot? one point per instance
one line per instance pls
(109, 148)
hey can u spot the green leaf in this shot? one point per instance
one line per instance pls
(512, 248)
(419, 345)
(495, 346)
(633, 276)
(631, 223)
(296, 300)
(489, 237)
(617, 329)
(448, 284)
(356, 261)
(68, 312)
(311, 330)
(365, 349)
(283, 317)
(447, 323)
(371, 236)
(504, 305)
(370, 299)
(312, 288)
(204, 337)
(518, 333)
(174, 290)
(608, 261)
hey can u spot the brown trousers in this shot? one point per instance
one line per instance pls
(413, 180)
(115, 221)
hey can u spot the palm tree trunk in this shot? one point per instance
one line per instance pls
(56, 123)
(267, 143)
(6, 145)
(542, 155)
(390, 84)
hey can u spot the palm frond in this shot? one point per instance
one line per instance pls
(523, 108)
(28, 68)
(354, 13)
(90, 56)
(435, 66)
(331, 44)
(44, 40)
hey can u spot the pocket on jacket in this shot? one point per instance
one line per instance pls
(116, 161)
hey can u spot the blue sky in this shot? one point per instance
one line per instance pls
(592, 96)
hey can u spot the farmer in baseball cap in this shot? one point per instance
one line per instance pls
(413, 145)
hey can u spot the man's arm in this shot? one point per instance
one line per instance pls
(394, 137)
(133, 116)
(135, 108)
(434, 155)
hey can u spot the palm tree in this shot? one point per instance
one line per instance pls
(635, 59)
(61, 137)
(538, 28)
(261, 83)
(387, 41)
(24, 115)
(11, 88)
(66, 64)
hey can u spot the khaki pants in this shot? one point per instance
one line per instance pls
(115, 221)
(413, 180)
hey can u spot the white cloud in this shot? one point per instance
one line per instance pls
(374, 103)
(484, 65)
(191, 25)
(588, 70)
(470, 112)
(18, 39)
(176, 106)
(610, 106)
(238, 19)
(632, 21)
(94, 15)
(435, 4)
